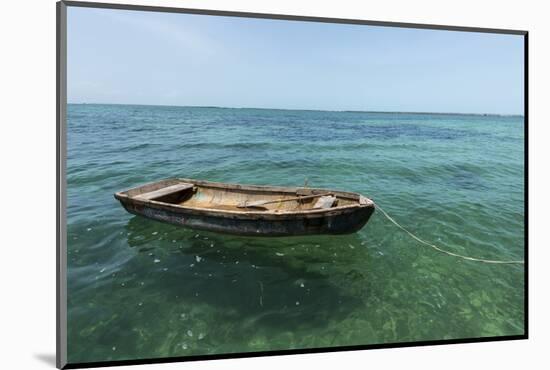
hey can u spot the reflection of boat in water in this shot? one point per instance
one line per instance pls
(249, 209)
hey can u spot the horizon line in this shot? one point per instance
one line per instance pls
(311, 110)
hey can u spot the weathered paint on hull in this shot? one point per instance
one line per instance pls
(340, 223)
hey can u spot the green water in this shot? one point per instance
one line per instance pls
(143, 289)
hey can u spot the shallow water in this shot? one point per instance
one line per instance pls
(142, 289)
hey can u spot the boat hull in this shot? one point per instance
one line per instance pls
(341, 223)
(343, 220)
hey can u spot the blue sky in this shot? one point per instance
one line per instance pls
(133, 57)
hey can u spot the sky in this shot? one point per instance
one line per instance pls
(135, 57)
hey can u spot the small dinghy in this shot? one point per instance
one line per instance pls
(248, 209)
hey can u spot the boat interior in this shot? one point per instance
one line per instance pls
(241, 198)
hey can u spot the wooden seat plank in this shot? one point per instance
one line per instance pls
(164, 191)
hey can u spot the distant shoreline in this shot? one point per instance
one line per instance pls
(312, 110)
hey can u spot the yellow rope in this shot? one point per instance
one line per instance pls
(439, 249)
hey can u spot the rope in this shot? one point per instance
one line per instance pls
(439, 249)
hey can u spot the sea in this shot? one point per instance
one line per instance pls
(140, 289)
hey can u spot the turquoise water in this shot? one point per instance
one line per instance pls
(142, 289)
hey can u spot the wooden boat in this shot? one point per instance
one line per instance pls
(248, 209)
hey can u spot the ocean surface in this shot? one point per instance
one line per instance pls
(142, 289)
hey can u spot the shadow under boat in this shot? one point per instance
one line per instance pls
(288, 282)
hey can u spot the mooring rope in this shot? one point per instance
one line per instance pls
(440, 249)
